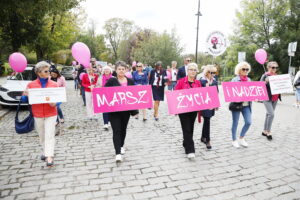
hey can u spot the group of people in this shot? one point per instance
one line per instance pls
(185, 77)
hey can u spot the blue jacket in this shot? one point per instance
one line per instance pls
(181, 73)
(208, 113)
(140, 79)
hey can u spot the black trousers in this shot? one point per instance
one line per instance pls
(206, 129)
(187, 121)
(119, 122)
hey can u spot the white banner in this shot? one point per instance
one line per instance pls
(47, 95)
(281, 84)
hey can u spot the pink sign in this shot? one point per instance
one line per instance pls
(245, 91)
(189, 100)
(113, 99)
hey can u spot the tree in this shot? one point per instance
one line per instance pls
(117, 29)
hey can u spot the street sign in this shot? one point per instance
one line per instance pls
(241, 57)
(216, 43)
(292, 48)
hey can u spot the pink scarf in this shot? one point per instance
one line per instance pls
(105, 79)
(244, 78)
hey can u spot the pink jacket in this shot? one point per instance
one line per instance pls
(184, 84)
(61, 81)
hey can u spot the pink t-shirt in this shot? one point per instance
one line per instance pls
(124, 84)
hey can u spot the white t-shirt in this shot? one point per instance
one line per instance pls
(174, 75)
(156, 79)
(296, 78)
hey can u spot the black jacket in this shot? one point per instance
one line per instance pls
(181, 73)
(113, 81)
(263, 78)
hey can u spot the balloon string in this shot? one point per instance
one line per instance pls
(263, 65)
(21, 76)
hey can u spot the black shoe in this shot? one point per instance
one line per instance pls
(269, 137)
(144, 120)
(264, 134)
(208, 146)
(43, 157)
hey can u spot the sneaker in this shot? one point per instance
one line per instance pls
(235, 143)
(105, 127)
(122, 150)
(243, 142)
(191, 155)
(118, 158)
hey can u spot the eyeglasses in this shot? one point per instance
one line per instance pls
(46, 71)
(194, 70)
(212, 72)
(274, 67)
(245, 69)
(189, 60)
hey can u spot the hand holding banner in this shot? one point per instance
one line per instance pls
(195, 99)
(281, 84)
(113, 99)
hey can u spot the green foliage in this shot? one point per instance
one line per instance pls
(265, 24)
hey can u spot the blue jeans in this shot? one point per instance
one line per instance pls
(246, 111)
(83, 95)
(76, 83)
(172, 85)
(105, 118)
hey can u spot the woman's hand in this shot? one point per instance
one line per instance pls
(52, 104)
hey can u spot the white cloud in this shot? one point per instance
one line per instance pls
(163, 15)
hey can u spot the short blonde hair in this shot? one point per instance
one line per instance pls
(209, 68)
(41, 65)
(106, 67)
(190, 65)
(239, 67)
(271, 63)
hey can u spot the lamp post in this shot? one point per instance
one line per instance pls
(198, 15)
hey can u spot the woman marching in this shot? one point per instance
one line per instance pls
(89, 81)
(44, 114)
(61, 81)
(208, 80)
(241, 71)
(140, 78)
(157, 79)
(270, 104)
(187, 120)
(119, 120)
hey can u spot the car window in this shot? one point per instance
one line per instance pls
(67, 69)
(26, 75)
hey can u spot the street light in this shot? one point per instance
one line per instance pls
(198, 14)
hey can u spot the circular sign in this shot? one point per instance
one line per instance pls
(216, 43)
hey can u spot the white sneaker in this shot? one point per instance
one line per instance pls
(243, 142)
(122, 150)
(191, 155)
(105, 127)
(119, 158)
(235, 143)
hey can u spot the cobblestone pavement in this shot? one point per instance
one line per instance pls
(155, 166)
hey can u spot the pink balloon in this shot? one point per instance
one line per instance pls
(169, 75)
(81, 53)
(17, 61)
(128, 75)
(133, 63)
(261, 56)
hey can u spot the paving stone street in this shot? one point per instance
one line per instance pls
(155, 166)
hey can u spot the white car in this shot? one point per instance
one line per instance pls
(12, 90)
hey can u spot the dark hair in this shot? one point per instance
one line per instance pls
(55, 70)
(157, 64)
(120, 64)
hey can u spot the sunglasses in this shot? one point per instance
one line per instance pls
(212, 72)
(274, 67)
(194, 70)
(245, 69)
(189, 60)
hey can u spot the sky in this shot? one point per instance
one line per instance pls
(163, 15)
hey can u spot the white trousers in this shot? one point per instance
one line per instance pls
(46, 130)
(89, 104)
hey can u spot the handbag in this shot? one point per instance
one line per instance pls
(236, 106)
(26, 125)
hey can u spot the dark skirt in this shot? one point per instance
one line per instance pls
(158, 93)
